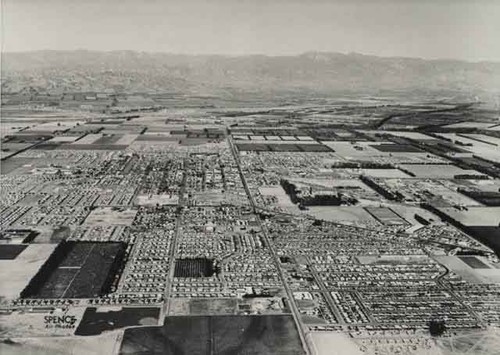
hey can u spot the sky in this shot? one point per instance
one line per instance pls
(454, 29)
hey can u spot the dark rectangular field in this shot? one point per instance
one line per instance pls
(32, 137)
(77, 256)
(57, 283)
(86, 128)
(194, 141)
(396, 148)
(47, 146)
(11, 251)
(77, 270)
(109, 139)
(199, 267)
(489, 235)
(94, 323)
(474, 262)
(488, 198)
(386, 216)
(243, 147)
(314, 148)
(93, 146)
(217, 335)
(291, 147)
(284, 147)
(153, 138)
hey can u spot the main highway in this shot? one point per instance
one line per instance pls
(293, 307)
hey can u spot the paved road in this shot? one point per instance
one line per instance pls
(293, 306)
(326, 294)
(173, 248)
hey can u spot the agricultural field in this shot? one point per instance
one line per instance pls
(77, 270)
(95, 321)
(263, 335)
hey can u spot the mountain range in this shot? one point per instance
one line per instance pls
(130, 71)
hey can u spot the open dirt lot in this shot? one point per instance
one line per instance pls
(15, 274)
(110, 215)
(333, 343)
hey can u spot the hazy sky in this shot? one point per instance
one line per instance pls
(414, 28)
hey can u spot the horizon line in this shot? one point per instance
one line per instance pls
(497, 61)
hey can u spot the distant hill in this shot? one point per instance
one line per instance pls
(129, 71)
